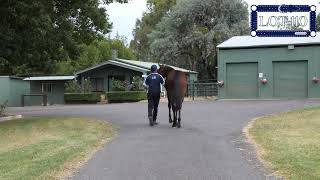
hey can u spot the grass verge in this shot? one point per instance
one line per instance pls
(289, 143)
(48, 148)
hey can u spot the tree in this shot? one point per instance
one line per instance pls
(156, 10)
(189, 34)
(95, 53)
(34, 35)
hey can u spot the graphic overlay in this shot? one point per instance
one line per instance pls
(283, 20)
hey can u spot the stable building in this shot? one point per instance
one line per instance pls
(49, 90)
(269, 67)
(52, 86)
(33, 91)
(102, 74)
(12, 88)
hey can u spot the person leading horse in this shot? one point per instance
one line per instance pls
(153, 84)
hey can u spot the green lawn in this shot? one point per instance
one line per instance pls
(48, 148)
(289, 143)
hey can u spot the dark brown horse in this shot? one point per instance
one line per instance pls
(176, 87)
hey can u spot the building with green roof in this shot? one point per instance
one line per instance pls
(31, 89)
(102, 74)
(269, 67)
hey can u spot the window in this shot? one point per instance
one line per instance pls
(97, 84)
(46, 88)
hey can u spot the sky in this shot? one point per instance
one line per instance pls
(124, 16)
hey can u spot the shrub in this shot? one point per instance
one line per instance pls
(137, 84)
(3, 108)
(87, 86)
(126, 96)
(72, 98)
(72, 87)
(118, 85)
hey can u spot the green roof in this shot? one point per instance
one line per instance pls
(49, 78)
(131, 64)
(249, 41)
(148, 65)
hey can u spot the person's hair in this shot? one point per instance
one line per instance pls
(154, 68)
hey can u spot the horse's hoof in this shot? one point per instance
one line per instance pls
(179, 126)
(174, 125)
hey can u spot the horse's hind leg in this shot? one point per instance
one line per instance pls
(169, 107)
(179, 119)
(174, 117)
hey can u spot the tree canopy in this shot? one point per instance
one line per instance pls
(95, 53)
(156, 10)
(188, 35)
(36, 35)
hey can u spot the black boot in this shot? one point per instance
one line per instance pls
(155, 122)
(150, 121)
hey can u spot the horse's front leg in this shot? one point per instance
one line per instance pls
(179, 119)
(169, 107)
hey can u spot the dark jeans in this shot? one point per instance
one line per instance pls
(153, 103)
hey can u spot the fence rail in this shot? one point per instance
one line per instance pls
(203, 88)
(44, 98)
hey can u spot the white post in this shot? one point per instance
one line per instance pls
(144, 76)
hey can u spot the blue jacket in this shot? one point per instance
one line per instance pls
(153, 83)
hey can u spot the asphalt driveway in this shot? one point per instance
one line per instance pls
(210, 144)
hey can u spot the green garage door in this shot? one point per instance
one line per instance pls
(242, 80)
(290, 79)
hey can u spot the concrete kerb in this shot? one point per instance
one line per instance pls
(258, 150)
(10, 117)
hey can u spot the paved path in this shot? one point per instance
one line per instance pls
(209, 146)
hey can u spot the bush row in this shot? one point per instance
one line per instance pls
(126, 96)
(72, 98)
(112, 97)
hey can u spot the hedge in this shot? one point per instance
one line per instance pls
(126, 96)
(72, 98)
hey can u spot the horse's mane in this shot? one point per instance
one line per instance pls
(164, 70)
(167, 68)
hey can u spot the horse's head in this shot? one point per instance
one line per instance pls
(164, 70)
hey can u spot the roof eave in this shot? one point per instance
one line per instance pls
(91, 68)
(26, 79)
(12, 77)
(271, 45)
(116, 63)
(44, 78)
(129, 66)
(125, 62)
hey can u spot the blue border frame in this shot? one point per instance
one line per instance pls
(282, 8)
